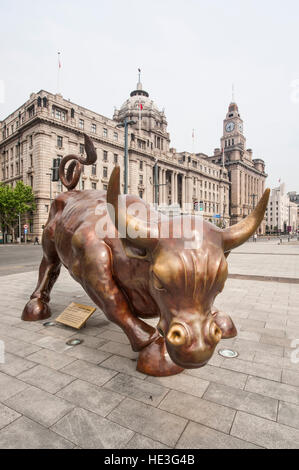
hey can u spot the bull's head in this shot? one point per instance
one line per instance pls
(184, 281)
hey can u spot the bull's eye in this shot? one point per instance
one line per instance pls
(157, 283)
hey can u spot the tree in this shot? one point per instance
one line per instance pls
(14, 202)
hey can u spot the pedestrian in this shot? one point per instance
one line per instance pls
(255, 237)
(36, 241)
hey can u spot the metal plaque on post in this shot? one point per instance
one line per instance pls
(75, 315)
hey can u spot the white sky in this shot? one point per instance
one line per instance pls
(190, 53)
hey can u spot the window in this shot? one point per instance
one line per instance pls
(30, 141)
(45, 102)
(115, 136)
(72, 113)
(115, 158)
(94, 169)
(31, 181)
(93, 128)
(59, 141)
(31, 111)
(82, 185)
(105, 132)
(81, 124)
(141, 165)
(105, 155)
(59, 114)
(105, 187)
(140, 179)
(105, 172)
(140, 194)
(81, 149)
(39, 101)
(93, 185)
(31, 160)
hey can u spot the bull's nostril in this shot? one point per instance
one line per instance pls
(215, 332)
(177, 335)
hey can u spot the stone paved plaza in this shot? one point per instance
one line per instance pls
(91, 396)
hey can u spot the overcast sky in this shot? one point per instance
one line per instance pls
(190, 53)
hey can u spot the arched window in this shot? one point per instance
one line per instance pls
(39, 101)
(45, 102)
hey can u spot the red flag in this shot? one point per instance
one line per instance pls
(59, 61)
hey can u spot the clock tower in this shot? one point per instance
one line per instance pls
(233, 140)
(246, 174)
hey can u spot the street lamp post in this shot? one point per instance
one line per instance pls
(125, 124)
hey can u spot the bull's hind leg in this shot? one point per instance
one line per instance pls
(37, 308)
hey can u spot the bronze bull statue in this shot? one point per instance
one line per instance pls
(141, 276)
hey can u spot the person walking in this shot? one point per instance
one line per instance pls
(36, 241)
(255, 237)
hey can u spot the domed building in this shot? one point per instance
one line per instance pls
(140, 108)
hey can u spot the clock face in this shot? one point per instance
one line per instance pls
(229, 126)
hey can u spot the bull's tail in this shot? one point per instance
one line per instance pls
(73, 172)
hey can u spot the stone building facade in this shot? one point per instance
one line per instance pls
(281, 211)
(48, 126)
(246, 174)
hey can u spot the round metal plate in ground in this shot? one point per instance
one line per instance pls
(49, 323)
(74, 342)
(228, 353)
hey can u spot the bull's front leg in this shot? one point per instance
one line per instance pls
(92, 268)
(37, 308)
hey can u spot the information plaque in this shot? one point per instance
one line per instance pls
(75, 315)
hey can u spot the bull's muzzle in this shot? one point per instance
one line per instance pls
(192, 346)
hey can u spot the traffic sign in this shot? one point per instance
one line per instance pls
(25, 226)
(216, 216)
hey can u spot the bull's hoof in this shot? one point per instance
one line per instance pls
(36, 310)
(155, 360)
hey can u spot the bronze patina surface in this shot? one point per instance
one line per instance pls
(132, 279)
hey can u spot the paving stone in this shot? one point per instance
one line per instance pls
(218, 375)
(196, 436)
(123, 364)
(199, 410)
(90, 397)
(264, 433)
(90, 341)
(290, 377)
(90, 372)
(39, 405)
(51, 359)
(242, 344)
(54, 344)
(288, 414)
(151, 422)
(140, 390)
(20, 348)
(121, 349)
(7, 415)
(284, 342)
(275, 390)
(90, 431)
(10, 386)
(251, 368)
(47, 379)
(242, 400)
(94, 356)
(142, 442)
(111, 335)
(14, 365)
(182, 383)
(27, 434)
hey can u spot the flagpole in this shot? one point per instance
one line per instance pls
(58, 73)
(193, 141)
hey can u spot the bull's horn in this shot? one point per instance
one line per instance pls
(237, 234)
(147, 237)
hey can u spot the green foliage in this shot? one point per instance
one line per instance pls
(15, 201)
